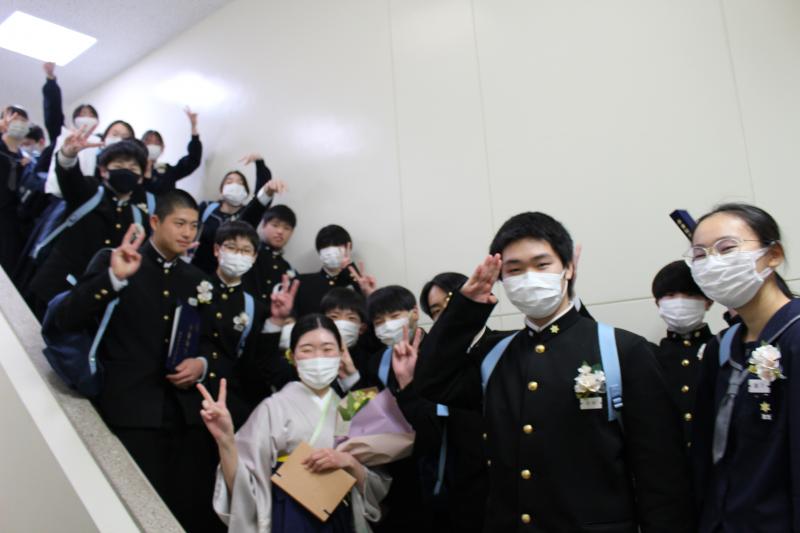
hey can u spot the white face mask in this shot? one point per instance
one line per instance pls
(332, 257)
(85, 123)
(730, 279)
(349, 331)
(18, 129)
(286, 336)
(319, 372)
(391, 331)
(154, 151)
(235, 265)
(111, 139)
(536, 294)
(682, 315)
(234, 193)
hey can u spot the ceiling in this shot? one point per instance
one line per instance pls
(125, 32)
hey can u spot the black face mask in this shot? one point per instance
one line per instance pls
(123, 180)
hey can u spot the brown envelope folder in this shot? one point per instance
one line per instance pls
(318, 493)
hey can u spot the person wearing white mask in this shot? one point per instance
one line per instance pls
(14, 125)
(235, 344)
(682, 306)
(162, 177)
(234, 205)
(335, 248)
(563, 449)
(747, 422)
(304, 411)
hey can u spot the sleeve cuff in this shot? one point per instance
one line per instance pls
(271, 327)
(205, 369)
(116, 283)
(349, 382)
(263, 197)
(66, 162)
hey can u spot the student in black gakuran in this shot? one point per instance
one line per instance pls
(275, 230)
(139, 396)
(746, 430)
(578, 438)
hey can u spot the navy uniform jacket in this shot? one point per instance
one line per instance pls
(756, 486)
(680, 355)
(133, 350)
(266, 274)
(315, 285)
(258, 363)
(103, 227)
(552, 466)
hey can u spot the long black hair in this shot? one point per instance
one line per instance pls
(762, 223)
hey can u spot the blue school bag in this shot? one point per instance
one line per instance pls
(73, 354)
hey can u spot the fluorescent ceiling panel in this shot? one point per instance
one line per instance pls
(42, 40)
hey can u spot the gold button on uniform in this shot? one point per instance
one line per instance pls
(533, 386)
(107, 242)
(527, 429)
(485, 436)
(330, 282)
(119, 210)
(165, 293)
(214, 355)
(489, 462)
(224, 296)
(216, 334)
(526, 518)
(685, 389)
(688, 417)
(687, 343)
(274, 267)
(525, 474)
(97, 296)
(539, 348)
(212, 375)
(118, 226)
(103, 292)
(166, 317)
(218, 315)
(685, 362)
(264, 296)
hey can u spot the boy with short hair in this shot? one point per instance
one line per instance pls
(275, 230)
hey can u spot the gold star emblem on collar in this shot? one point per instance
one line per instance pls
(765, 407)
(554, 329)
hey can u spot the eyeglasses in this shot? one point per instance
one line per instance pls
(247, 250)
(724, 246)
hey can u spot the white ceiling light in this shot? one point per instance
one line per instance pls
(43, 40)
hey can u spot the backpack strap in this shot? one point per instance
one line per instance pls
(385, 365)
(610, 359)
(99, 335)
(210, 208)
(491, 359)
(725, 343)
(249, 309)
(73, 218)
(437, 488)
(150, 198)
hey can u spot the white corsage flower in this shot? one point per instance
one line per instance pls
(240, 321)
(204, 292)
(590, 381)
(765, 362)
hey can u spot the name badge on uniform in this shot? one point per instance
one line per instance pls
(758, 386)
(596, 402)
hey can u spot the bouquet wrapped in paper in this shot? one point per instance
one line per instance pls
(371, 427)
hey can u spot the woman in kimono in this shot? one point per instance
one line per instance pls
(746, 428)
(244, 497)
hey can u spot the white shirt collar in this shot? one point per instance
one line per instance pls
(167, 264)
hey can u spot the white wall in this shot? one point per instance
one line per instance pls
(422, 125)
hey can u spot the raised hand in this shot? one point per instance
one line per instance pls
(187, 373)
(478, 287)
(366, 282)
(404, 357)
(78, 140)
(50, 70)
(251, 158)
(273, 187)
(192, 118)
(346, 367)
(216, 416)
(125, 258)
(282, 301)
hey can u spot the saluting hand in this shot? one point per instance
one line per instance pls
(282, 301)
(366, 282)
(78, 140)
(478, 287)
(125, 258)
(216, 416)
(404, 357)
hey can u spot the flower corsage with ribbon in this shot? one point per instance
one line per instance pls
(765, 362)
(240, 321)
(590, 385)
(204, 294)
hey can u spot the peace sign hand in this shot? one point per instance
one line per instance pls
(216, 416)
(125, 258)
(366, 282)
(282, 301)
(346, 367)
(478, 287)
(404, 357)
(78, 140)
